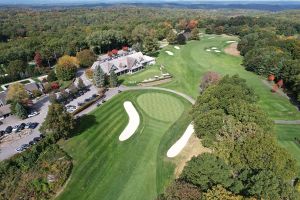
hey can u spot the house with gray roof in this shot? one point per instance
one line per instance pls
(124, 62)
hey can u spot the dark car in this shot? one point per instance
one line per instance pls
(2, 133)
(8, 129)
(80, 104)
(21, 127)
(42, 136)
(103, 101)
(32, 143)
(25, 146)
(37, 139)
(87, 100)
(33, 125)
(81, 93)
(95, 95)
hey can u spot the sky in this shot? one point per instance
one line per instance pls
(123, 1)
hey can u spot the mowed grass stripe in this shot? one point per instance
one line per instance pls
(105, 168)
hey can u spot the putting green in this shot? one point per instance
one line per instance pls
(107, 169)
(161, 106)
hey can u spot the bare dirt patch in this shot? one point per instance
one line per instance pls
(156, 82)
(192, 148)
(232, 49)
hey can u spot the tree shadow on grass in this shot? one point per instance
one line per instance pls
(83, 123)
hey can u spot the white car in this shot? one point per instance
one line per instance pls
(70, 110)
(32, 114)
(15, 128)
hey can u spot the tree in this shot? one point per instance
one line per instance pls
(219, 192)
(38, 59)
(16, 69)
(113, 79)
(16, 92)
(192, 24)
(181, 39)
(80, 84)
(209, 78)
(51, 76)
(66, 68)
(150, 45)
(183, 191)
(271, 77)
(20, 111)
(206, 171)
(194, 34)
(172, 37)
(114, 51)
(86, 58)
(58, 121)
(99, 77)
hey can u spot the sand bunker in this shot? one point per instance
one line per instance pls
(211, 38)
(170, 53)
(230, 41)
(133, 123)
(208, 50)
(217, 51)
(213, 48)
(180, 144)
(176, 47)
(232, 49)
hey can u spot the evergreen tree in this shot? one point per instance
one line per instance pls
(181, 39)
(58, 121)
(113, 79)
(51, 76)
(20, 111)
(99, 77)
(80, 84)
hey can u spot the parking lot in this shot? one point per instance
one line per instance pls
(9, 148)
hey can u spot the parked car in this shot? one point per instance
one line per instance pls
(37, 139)
(32, 114)
(8, 129)
(33, 125)
(15, 128)
(25, 146)
(103, 101)
(98, 104)
(20, 149)
(28, 125)
(119, 91)
(32, 143)
(80, 103)
(22, 126)
(42, 136)
(2, 133)
(95, 95)
(70, 106)
(70, 110)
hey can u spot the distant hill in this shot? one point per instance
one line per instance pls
(255, 5)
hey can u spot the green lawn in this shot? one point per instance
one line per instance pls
(192, 60)
(286, 135)
(105, 168)
(138, 77)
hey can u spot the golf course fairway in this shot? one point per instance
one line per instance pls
(135, 169)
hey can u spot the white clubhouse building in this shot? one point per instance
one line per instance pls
(124, 62)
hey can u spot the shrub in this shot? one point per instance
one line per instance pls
(37, 93)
